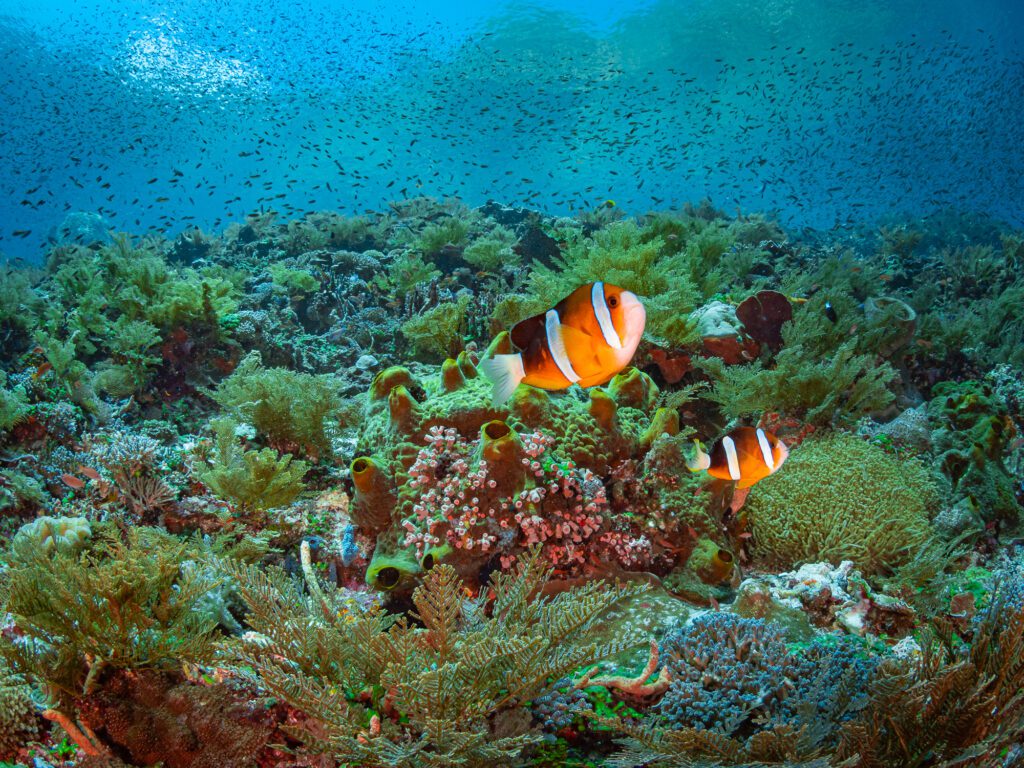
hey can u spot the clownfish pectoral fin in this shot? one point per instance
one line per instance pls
(504, 372)
(700, 461)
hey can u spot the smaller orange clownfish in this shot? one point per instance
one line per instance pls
(745, 456)
(586, 338)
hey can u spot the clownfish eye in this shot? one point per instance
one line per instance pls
(613, 301)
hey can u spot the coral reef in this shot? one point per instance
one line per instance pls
(257, 506)
(428, 694)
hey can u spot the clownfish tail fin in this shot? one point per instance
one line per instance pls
(700, 461)
(504, 372)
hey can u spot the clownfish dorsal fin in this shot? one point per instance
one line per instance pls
(504, 372)
(525, 331)
(701, 460)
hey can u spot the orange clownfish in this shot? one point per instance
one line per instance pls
(745, 456)
(585, 339)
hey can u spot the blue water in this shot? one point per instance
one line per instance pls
(166, 115)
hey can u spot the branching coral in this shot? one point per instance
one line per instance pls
(622, 255)
(839, 497)
(436, 689)
(134, 464)
(724, 670)
(251, 480)
(291, 410)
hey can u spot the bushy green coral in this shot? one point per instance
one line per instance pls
(493, 251)
(291, 410)
(432, 240)
(623, 254)
(71, 372)
(438, 332)
(126, 603)
(302, 236)
(820, 389)
(292, 281)
(839, 497)
(972, 435)
(351, 232)
(405, 272)
(251, 480)
(19, 302)
(131, 365)
(13, 405)
(135, 281)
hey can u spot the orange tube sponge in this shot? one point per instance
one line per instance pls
(374, 497)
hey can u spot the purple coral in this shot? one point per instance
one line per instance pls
(725, 670)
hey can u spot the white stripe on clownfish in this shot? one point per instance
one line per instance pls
(604, 316)
(731, 457)
(766, 450)
(556, 345)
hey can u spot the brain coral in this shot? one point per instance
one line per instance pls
(840, 498)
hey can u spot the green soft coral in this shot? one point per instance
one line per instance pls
(251, 480)
(624, 254)
(841, 498)
(125, 603)
(841, 387)
(292, 281)
(14, 407)
(131, 365)
(971, 440)
(438, 332)
(292, 411)
(493, 251)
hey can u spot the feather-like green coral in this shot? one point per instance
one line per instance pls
(252, 480)
(291, 410)
(623, 254)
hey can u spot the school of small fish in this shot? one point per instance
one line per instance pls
(169, 116)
